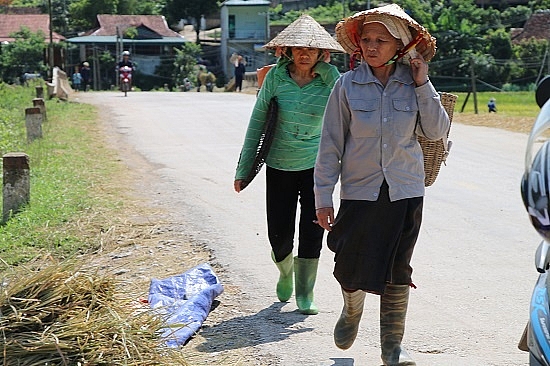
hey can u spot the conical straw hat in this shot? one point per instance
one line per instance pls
(347, 30)
(305, 32)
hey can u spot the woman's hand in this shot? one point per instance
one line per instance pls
(325, 217)
(237, 185)
(419, 69)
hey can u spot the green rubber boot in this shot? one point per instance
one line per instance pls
(347, 326)
(286, 270)
(305, 274)
(393, 311)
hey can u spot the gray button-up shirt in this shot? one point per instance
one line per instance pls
(369, 134)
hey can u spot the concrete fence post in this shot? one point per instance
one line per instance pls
(33, 122)
(39, 102)
(39, 91)
(16, 184)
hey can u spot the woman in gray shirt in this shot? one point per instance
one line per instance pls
(369, 143)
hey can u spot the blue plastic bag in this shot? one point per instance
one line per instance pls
(184, 301)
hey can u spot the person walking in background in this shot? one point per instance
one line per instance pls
(86, 74)
(239, 73)
(206, 78)
(301, 81)
(369, 143)
(492, 105)
(77, 79)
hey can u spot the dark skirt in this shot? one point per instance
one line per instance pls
(373, 242)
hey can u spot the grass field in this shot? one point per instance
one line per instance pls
(514, 104)
(516, 111)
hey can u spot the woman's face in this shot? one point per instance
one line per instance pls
(377, 44)
(305, 58)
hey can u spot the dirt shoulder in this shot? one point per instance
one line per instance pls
(145, 242)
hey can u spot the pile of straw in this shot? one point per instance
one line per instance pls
(64, 314)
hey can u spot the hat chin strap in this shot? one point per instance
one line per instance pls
(402, 52)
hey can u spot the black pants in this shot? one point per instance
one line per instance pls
(239, 82)
(284, 191)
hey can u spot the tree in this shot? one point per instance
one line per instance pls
(84, 12)
(179, 9)
(60, 14)
(25, 54)
(185, 62)
(529, 55)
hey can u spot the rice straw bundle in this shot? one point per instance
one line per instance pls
(63, 314)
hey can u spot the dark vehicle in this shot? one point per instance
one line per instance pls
(535, 191)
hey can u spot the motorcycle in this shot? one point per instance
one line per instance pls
(125, 79)
(187, 85)
(535, 192)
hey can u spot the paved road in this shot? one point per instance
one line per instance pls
(474, 259)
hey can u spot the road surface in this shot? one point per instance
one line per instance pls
(473, 264)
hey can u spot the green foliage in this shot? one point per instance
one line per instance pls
(107, 66)
(322, 14)
(84, 12)
(67, 14)
(528, 56)
(60, 14)
(539, 4)
(185, 62)
(131, 32)
(515, 16)
(26, 54)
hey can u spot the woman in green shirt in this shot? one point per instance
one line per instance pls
(301, 81)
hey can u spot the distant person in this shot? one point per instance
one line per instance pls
(492, 105)
(239, 73)
(86, 74)
(126, 62)
(206, 78)
(77, 79)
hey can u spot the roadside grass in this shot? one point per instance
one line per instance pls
(71, 202)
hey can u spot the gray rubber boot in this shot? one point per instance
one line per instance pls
(305, 274)
(286, 271)
(393, 312)
(347, 326)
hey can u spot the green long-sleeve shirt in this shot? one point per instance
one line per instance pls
(300, 119)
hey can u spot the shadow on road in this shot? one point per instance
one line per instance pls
(267, 326)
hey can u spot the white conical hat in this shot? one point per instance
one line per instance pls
(305, 32)
(347, 30)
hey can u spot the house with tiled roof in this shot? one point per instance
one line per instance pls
(11, 23)
(537, 27)
(147, 37)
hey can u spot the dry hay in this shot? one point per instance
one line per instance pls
(65, 314)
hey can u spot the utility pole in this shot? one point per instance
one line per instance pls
(473, 81)
(50, 45)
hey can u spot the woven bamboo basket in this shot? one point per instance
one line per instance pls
(436, 152)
